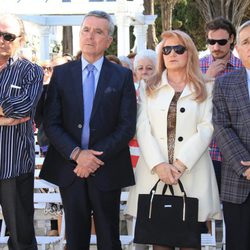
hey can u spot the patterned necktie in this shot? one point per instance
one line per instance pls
(88, 97)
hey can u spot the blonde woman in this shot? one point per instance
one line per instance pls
(174, 128)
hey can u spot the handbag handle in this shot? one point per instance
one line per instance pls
(153, 190)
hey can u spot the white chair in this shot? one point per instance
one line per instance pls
(40, 199)
(208, 240)
(223, 235)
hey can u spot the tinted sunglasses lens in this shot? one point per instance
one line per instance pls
(179, 49)
(221, 42)
(166, 50)
(211, 41)
(8, 37)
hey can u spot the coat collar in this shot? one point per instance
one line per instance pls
(188, 90)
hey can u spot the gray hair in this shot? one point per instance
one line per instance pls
(146, 54)
(104, 15)
(125, 59)
(20, 22)
(243, 26)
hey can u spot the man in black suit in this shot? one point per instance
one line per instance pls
(91, 167)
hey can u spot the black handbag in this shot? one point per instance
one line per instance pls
(167, 220)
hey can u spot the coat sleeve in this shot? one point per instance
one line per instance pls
(22, 104)
(54, 124)
(198, 143)
(148, 145)
(124, 131)
(228, 141)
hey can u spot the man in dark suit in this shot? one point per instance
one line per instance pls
(88, 156)
(20, 88)
(231, 117)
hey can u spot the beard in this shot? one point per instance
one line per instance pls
(218, 54)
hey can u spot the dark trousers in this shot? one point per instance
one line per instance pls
(217, 170)
(237, 221)
(16, 199)
(82, 198)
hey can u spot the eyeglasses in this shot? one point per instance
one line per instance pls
(47, 68)
(178, 49)
(8, 36)
(221, 42)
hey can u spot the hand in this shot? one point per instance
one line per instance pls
(247, 172)
(166, 173)
(6, 121)
(88, 163)
(82, 172)
(180, 167)
(216, 67)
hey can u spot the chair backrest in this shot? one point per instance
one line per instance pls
(40, 200)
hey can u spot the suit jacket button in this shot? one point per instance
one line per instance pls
(182, 110)
(180, 138)
(79, 125)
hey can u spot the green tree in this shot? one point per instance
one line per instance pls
(112, 50)
(233, 10)
(151, 34)
(188, 19)
(67, 42)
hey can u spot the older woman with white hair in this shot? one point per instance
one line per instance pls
(144, 65)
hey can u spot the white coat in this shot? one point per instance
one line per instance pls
(194, 131)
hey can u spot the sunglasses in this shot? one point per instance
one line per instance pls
(221, 42)
(178, 49)
(8, 36)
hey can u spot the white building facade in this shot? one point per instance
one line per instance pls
(44, 20)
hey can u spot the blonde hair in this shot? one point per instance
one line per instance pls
(193, 73)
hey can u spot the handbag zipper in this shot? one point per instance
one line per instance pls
(150, 206)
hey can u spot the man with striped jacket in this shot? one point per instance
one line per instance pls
(20, 89)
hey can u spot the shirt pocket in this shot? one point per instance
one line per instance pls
(14, 91)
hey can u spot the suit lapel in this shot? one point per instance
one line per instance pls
(104, 79)
(241, 94)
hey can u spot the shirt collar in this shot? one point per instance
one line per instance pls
(248, 75)
(97, 64)
(10, 62)
(232, 60)
(188, 89)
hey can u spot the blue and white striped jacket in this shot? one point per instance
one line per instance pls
(20, 90)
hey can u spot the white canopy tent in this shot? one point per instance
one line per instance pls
(44, 20)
